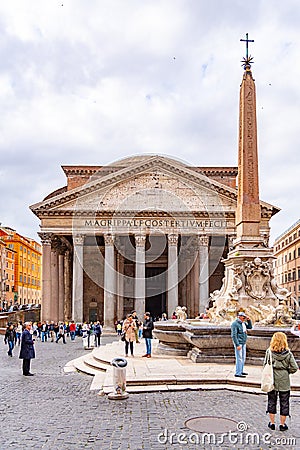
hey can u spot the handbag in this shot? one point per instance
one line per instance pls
(267, 376)
(123, 336)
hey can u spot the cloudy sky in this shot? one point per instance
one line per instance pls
(93, 81)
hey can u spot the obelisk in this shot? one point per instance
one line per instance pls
(249, 280)
(248, 215)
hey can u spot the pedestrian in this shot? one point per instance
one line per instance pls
(284, 364)
(239, 337)
(9, 338)
(137, 324)
(19, 331)
(61, 333)
(44, 330)
(147, 333)
(129, 327)
(97, 333)
(51, 331)
(86, 335)
(72, 330)
(56, 329)
(119, 328)
(27, 352)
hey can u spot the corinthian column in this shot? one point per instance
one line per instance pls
(203, 273)
(54, 284)
(140, 287)
(61, 286)
(109, 282)
(46, 276)
(172, 273)
(77, 293)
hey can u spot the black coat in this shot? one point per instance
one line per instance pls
(27, 348)
(10, 335)
(147, 328)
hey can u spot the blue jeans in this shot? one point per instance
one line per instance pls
(10, 347)
(240, 357)
(44, 336)
(18, 337)
(72, 334)
(148, 346)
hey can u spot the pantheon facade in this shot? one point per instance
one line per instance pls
(147, 233)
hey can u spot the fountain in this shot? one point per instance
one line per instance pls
(249, 283)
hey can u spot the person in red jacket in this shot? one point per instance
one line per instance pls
(72, 328)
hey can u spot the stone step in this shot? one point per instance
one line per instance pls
(98, 382)
(94, 363)
(80, 365)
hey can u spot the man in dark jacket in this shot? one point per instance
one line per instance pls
(9, 338)
(239, 337)
(147, 333)
(27, 350)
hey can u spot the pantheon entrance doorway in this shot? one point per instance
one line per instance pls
(156, 291)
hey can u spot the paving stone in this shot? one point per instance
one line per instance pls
(57, 411)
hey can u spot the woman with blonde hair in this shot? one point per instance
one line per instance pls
(284, 364)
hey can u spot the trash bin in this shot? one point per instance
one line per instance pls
(119, 379)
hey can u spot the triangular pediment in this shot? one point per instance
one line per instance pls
(149, 183)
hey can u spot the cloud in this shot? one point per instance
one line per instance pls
(91, 82)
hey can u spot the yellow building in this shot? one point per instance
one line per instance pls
(24, 259)
(2, 271)
(287, 265)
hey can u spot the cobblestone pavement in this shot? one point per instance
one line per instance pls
(53, 410)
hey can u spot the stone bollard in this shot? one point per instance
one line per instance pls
(119, 379)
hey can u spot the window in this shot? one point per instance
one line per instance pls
(299, 251)
(298, 274)
(294, 254)
(285, 258)
(289, 276)
(294, 275)
(290, 256)
(21, 278)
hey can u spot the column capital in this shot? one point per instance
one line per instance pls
(46, 238)
(58, 246)
(109, 239)
(78, 239)
(140, 240)
(173, 239)
(203, 240)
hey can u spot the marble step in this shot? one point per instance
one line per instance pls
(81, 366)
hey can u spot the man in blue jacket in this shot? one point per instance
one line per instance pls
(27, 349)
(239, 336)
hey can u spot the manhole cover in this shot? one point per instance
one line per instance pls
(210, 424)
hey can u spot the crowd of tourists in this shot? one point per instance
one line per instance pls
(54, 332)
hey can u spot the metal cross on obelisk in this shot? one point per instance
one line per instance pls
(247, 40)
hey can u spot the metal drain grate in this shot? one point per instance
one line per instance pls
(211, 424)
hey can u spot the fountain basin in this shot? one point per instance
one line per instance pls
(205, 342)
